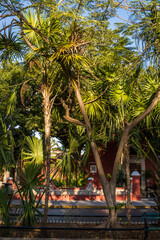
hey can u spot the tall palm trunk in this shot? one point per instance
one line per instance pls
(47, 122)
(48, 101)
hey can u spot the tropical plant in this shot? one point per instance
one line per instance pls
(29, 189)
(152, 149)
(6, 148)
(42, 68)
(72, 156)
(32, 151)
(5, 204)
(67, 50)
(145, 28)
(10, 46)
(121, 177)
(80, 181)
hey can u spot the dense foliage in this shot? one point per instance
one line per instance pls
(66, 74)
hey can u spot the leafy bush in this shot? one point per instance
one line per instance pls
(121, 178)
(30, 182)
(5, 202)
(81, 181)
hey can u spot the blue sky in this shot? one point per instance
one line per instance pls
(123, 14)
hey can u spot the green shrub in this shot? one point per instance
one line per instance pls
(5, 202)
(81, 181)
(30, 182)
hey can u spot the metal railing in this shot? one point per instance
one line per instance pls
(86, 219)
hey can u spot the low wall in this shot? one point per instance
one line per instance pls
(90, 192)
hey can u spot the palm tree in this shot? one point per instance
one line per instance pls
(68, 48)
(46, 75)
(122, 100)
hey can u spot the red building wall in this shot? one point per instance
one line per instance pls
(149, 166)
(107, 155)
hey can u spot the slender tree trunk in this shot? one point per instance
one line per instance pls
(47, 123)
(108, 188)
(113, 217)
(126, 155)
(127, 130)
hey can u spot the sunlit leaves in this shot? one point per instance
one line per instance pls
(67, 54)
(119, 92)
(32, 19)
(10, 46)
(33, 151)
(11, 103)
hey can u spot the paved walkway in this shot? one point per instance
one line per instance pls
(144, 203)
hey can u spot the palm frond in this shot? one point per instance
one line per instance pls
(11, 103)
(11, 47)
(32, 150)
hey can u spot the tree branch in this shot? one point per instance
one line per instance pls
(10, 25)
(6, 15)
(68, 118)
(119, 77)
(116, 15)
(128, 128)
(26, 39)
(60, 2)
(97, 97)
(53, 99)
(83, 43)
(15, 85)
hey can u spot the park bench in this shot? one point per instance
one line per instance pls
(148, 217)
